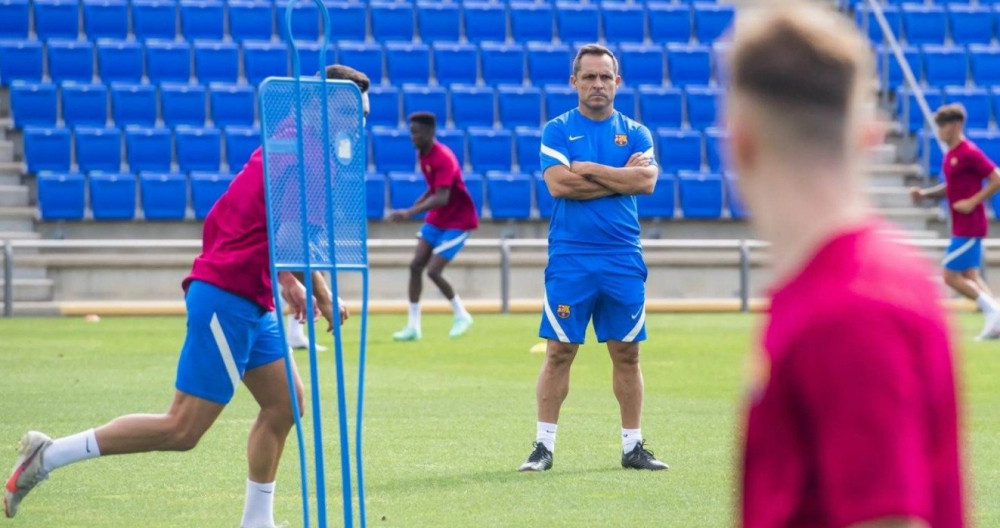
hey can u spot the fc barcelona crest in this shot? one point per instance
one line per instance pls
(562, 311)
(621, 140)
(954, 161)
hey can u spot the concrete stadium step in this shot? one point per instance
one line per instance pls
(11, 168)
(19, 235)
(17, 218)
(6, 151)
(911, 218)
(893, 175)
(13, 195)
(32, 290)
(889, 197)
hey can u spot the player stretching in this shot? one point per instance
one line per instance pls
(451, 215)
(232, 335)
(594, 160)
(965, 168)
(852, 418)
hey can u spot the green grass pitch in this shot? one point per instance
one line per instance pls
(447, 423)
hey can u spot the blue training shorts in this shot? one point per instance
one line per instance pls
(227, 335)
(446, 242)
(611, 289)
(963, 254)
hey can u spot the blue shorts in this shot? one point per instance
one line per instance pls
(446, 242)
(609, 288)
(963, 254)
(227, 335)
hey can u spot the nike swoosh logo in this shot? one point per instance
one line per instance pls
(636, 314)
(88, 445)
(574, 138)
(268, 492)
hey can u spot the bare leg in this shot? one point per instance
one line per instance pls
(974, 276)
(179, 429)
(434, 270)
(553, 380)
(963, 285)
(269, 387)
(420, 258)
(627, 381)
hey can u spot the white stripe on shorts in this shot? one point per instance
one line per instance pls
(637, 328)
(225, 351)
(958, 252)
(451, 243)
(554, 322)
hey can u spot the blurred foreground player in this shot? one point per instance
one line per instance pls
(852, 418)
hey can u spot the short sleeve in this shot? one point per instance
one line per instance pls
(979, 164)
(642, 140)
(862, 400)
(443, 172)
(555, 148)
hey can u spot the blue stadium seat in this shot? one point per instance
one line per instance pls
(895, 74)
(678, 149)
(712, 20)
(985, 64)
(702, 108)
(404, 189)
(392, 150)
(61, 195)
(689, 64)
(720, 61)
(57, 19)
(455, 63)
(669, 22)
(734, 199)
(198, 149)
(351, 17)
(98, 149)
(392, 20)
(559, 100)
(472, 106)
(485, 21)
(202, 19)
(163, 195)
(502, 63)
(33, 104)
(924, 24)
(971, 24)
(578, 21)
(976, 102)
(625, 101)
(366, 58)
(549, 63)
(70, 60)
(384, 101)
(987, 140)
(46, 149)
(20, 60)
(216, 62)
(527, 144)
(14, 19)
(265, 59)
(231, 104)
(662, 202)
(474, 184)
(148, 149)
(715, 140)
(154, 19)
(305, 21)
(928, 146)
(543, 196)
(84, 104)
(105, 19)
(661, 107)
(945, 65)
(168, 61)
(240, 144)
(641, 64)
(700, 194)
(309, 57)
(438, 21)
(375, 190)
(112, 195)
(866, 19)
(531, 21)
(133, 104)
(407, 62)
(509, 195)
(908, 110)
(432, 99)
(182, 104)
(454, 139)
(490, 150)
(251, 20)
(519, 106)
(623, 22)
(206, 189)
(119, 60)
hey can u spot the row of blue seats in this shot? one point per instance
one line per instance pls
(936, 65)
(164, 195)
(381, 21)
(396, 62)
(981, 105)
(934, 24)
(464, 106)
(987, 140)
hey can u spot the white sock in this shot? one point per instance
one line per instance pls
(547, 436)
(65, 451)
(259, 509)
(630, 437)
(414, 321)
(294, 329)
(458, 307)
(987, 304)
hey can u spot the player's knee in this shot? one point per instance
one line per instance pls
(435, 274)
(950, 277)
(560, 355)
(184, 439)
(417, 267)
(625, 355)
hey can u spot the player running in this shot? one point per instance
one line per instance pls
(965, 168)
(232, 335)
(595, 160)
(451, 216)
(852, 414)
